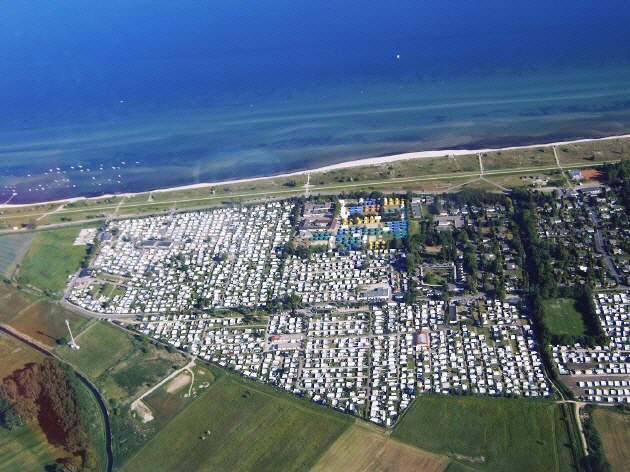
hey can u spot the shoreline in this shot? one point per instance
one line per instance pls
(369, 161)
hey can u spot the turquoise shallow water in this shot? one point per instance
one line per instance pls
(238, 93)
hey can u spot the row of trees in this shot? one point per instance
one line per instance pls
(538, 255)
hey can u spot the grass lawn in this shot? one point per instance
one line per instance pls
(51, 258)
(244, 426)
(102, 346)
(614, 428)
(45, 322)
(13, 301)
(361, 449)
(489, 433)
(562, 317)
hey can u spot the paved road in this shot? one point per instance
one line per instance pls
(600, 243)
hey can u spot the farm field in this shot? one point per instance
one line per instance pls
(102, 346)
(44, 321)
(12, 249)
(241, 425)
(51, 258)
(562, 317)
(489, 433)
(614, 429)
(13, 301)
(360, 449)
(15, 355)
(26, 448)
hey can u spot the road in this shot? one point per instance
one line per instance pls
(600, 243)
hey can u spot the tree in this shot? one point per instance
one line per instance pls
(9, 417)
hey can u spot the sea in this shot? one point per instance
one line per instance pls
(128, 96)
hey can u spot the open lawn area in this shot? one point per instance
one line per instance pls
(44, 321)
(494, 434)
(562, 317)
(614, 428)
(51, 258)
(12, 249)
(361, 449)
(13, 301)
(241, 425)
(101, 346)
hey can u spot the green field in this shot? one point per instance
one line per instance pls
(44, 321)
(241, 425)
(13, 301)
(12, 249)
(489, 433)
(614, 429)
(562, 317)
(362, 449)
(101, 346)
(51, 258)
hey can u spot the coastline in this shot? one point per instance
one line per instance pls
(370, 161)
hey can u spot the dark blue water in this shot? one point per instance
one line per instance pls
(117, 96)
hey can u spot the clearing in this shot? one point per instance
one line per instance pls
(361, 449)
(44, 321)
(138, 371)
(490, 433)
(102, 346)
(241, 425)
(614, 428)
(51, 258)
(177, 383)
(563, 317)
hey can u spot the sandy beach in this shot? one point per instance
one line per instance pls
(371, 161)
